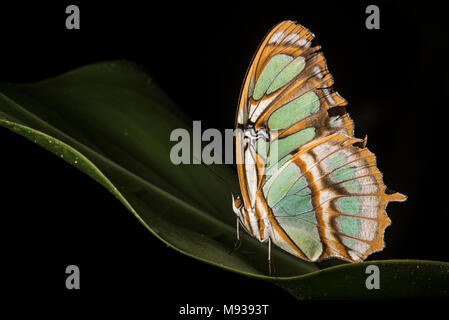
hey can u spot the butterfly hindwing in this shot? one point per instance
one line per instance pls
(329, 200)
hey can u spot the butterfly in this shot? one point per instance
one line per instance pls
(307, 184)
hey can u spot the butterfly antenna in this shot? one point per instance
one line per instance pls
(216, 174)
(238, 242)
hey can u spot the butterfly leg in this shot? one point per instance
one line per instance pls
(269, 256)
(238, 243)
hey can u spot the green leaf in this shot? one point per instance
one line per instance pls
(112, 122)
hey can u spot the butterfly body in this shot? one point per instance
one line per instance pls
(308, 185)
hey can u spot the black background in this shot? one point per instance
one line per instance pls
(395, 79)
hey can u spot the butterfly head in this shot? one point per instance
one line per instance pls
(237, 204)
(239, 208)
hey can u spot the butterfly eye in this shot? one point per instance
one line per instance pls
(237, 201)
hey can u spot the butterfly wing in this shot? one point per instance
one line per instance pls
(291, 120)
(285, 72)
(284, 68)
(329, 200)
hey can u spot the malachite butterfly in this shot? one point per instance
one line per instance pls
(308, 185)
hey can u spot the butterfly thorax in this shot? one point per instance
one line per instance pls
(251, 135)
